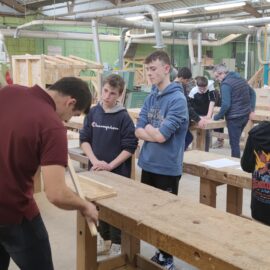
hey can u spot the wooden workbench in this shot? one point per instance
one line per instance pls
(200, 235)
(210, 178)
(200, 133)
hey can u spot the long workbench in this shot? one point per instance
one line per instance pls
(198, 234)
(211, 177)
(77, 123)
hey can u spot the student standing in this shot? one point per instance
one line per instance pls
(202, 99)
(108, 140)
(237, 104)
(33, 135)
(256, 160)
(162, 124)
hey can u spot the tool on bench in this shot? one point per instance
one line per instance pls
(75, 180)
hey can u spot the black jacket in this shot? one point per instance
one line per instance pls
(109, 133)
(256, 160)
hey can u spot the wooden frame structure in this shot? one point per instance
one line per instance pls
(44, 70)
(136, 64)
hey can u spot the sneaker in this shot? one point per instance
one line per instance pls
(218, 144)
(103, 247)
(115, 249)
(168, 264)
(155, 258)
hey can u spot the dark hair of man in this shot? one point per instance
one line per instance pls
(75, 88)
(184, 73)
(201, 81)
(116, 82)
(158, 55)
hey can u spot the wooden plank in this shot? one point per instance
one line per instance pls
(261, 115)
(94, 190)
(198, 234)
(76, 183)
(91, 64)
(112, 263)
(77, 155)
(145, 263)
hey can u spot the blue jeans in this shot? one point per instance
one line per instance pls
(27, 244)
(235, 128)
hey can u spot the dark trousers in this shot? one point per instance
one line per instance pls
(109, 232)
(188, 139)
(164, 182)
(235, 128)
(27, 244)
(207, 140)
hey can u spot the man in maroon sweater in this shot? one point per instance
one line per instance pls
(32, 136)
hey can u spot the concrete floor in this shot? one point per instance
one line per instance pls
(61, 224)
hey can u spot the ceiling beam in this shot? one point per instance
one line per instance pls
(251, 10)
(14, 4)
(143, 2)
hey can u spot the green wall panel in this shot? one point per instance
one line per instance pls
(220, 52)
(109, 52)
(144, 50)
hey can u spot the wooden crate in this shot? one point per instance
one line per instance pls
(137, 65)
(44, 70)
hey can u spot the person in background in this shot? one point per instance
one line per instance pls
(183, 77)
(237, 104)
(202, 99)
(33, 136)
(108, 140)
(256, 160)
(162, 124)
(219, 143)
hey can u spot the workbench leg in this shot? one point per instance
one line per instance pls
(201, 134)
(130, 246)
(234, 200)
(208, 191)
(86, 246)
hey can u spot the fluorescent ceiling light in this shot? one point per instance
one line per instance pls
(172, 13)
(135, 18)
(225, 6)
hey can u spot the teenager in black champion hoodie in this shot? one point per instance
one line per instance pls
(256, 160)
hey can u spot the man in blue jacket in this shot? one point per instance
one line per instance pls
(237, 104)
(162, 124)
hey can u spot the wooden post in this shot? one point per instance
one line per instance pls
(86, 246)
(201, 134)
(234, 200)
(208, 191)
(130, 246)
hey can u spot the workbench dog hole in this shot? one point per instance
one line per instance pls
(196, 222)
(197, 255)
